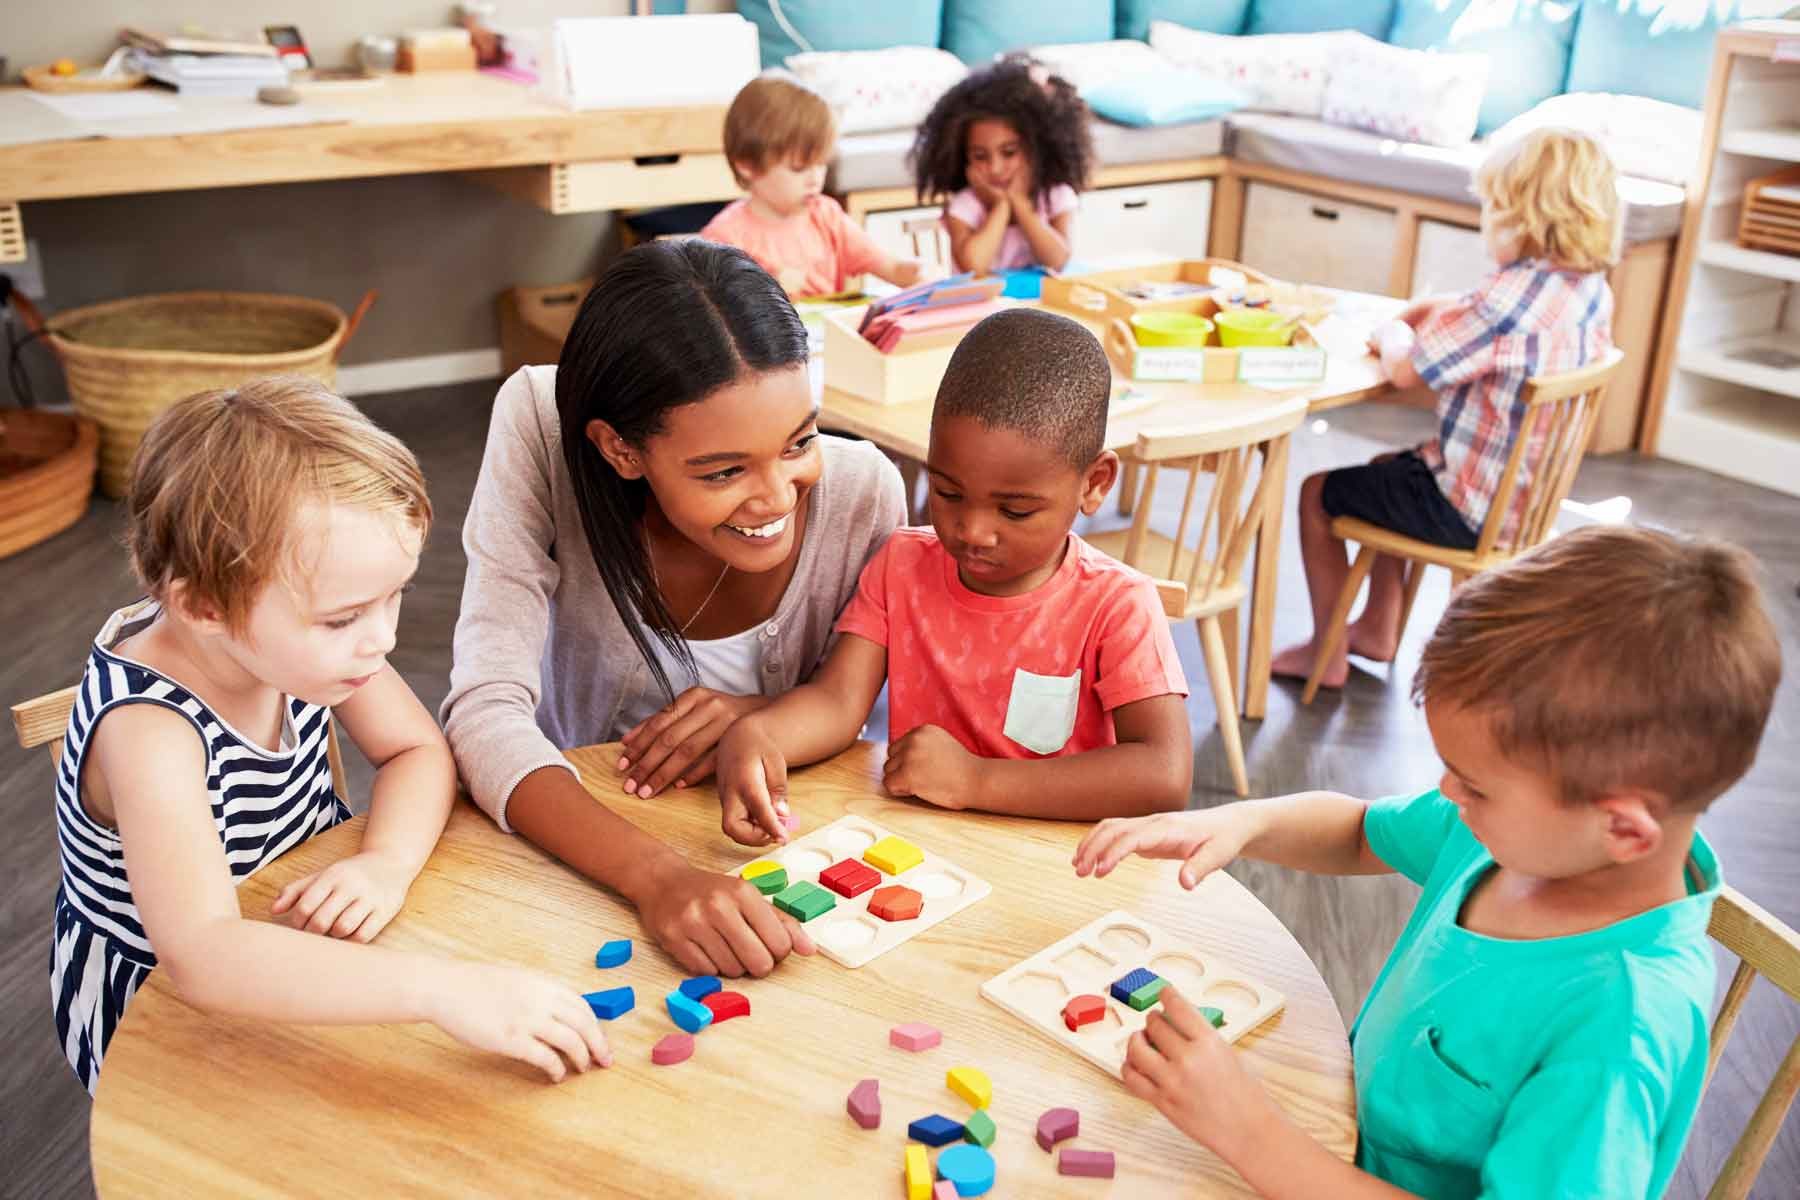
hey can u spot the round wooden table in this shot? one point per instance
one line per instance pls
(191, 1104)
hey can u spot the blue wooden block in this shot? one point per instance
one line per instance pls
(935, 1130)
(613, 954)
(687, 1012)
(969, 1168)
(700, 986)
(1127, 984)
(611, 1004)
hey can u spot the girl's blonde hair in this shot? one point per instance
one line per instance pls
(776, 118)
(1555, 192)
(219, 477)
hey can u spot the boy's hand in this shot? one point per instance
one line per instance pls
(1180, 1064)
(1207, 839)
(931, 765)
(521, 1014)
(718, 924)
(752, 786)
(675, 746)
(352, 898)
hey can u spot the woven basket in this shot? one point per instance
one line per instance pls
(128, 360)
(46, 474)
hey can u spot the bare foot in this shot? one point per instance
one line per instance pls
(1296, 662)
(1374, 645)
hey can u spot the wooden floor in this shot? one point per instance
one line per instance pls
(1368, 741)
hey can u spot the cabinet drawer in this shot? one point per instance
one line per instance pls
(913, 233)
(1158, 220)
(1451, 258)
(610, 184)
(1304, 238)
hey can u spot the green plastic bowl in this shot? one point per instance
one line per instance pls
(1254, 327)
(1171, 329)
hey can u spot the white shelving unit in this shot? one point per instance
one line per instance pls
(1730, 378)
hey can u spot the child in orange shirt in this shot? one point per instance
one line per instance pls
(1027, 672)
(778, 138)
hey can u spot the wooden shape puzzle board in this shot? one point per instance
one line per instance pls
(848, 934)
(1088, 960)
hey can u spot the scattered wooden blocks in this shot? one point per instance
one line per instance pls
(687, 1012)
(935, 1130)
(896, 903)
(918, 1173)
(1139, 988)
(1096, 1164)
(849, 878)
(1059, 1124)
(971, 1084)
(611, 1004)
(914, 1036)
(979, 1129)
(677, 1047)
(864, 1104)
(700, 986)
(768, 877)
(613, 954)
(1084, 1009)
(726, 1005)
(803, 901)
(969, 1168)
(1215, 1015)
(894, 855)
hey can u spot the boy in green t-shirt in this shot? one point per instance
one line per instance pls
(1540, 1029)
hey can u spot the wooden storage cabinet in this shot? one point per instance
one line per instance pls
(1159, 220)
(1292, 234)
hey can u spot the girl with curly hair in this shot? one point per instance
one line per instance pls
(1009, 146)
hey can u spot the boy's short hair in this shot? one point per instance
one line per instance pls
(775, 117)
(1617, 658)
(219, 476)
(1036, 373)
(1556, 191)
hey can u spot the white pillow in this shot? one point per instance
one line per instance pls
(1277, 72)
(871, 90)
(1649, 139)
(1412, 95)
(1091, 65)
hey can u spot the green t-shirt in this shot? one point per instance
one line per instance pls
(1566, 1066)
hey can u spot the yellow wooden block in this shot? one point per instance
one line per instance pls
(971, 1084)
(918, 1173)
(759, 868)
(894, 855)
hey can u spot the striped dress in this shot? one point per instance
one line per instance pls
(263, 804)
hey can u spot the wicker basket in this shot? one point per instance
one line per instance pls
(46, 474)
(127, 360)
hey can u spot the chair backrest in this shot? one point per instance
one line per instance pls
(1560, 411)
(1765, 946)
(1225, 529)
(930, 243)
(43, 719)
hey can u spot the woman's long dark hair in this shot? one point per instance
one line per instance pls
(668, 324)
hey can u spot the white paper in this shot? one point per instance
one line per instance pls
(108, 106)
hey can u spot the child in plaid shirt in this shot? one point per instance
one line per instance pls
(1550, 218)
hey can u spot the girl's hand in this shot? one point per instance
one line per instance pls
(1021, 192)
(1180, 1064)
(990, 196)
(521, 1014)
(717, 924)
(675, 746)
(931, 765)
(353, 898)
(1208, 839)
(752, 786)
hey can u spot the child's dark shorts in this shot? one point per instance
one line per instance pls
(1400, 494)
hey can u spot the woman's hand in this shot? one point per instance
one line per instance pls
(716, 924)
(676, 746)
(521, 1014)
(1206, 838)
(352, 898)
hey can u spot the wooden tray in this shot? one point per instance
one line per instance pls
(1771, 222)
(1108, 294)
(40, 79)
(1301, 362)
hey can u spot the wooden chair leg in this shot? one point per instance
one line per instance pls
(1338, 627)
(1127, 486)
(1738, 1174)
(1415, 575)
(1218, 672)
(910, 473)
(1228, 633)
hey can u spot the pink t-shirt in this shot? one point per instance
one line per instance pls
(1015, 247)
(1013, 676)
(823, 243)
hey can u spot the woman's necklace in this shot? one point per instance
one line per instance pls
(657, 579)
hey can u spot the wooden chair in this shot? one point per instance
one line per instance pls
(1766, 946)
(42, 720)
(1560, 411)
(1204, 580)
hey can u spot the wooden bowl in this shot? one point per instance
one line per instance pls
(88, 80)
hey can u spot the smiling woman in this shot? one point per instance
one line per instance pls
(660, 540)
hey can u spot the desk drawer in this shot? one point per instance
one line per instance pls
(612, 184)
(1305, 238)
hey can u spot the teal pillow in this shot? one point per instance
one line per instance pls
(1169, 97)
(1528, 45)
(1641, 48)
(976, 30)
(835, 25)
(1208, 16)
(1316, 16)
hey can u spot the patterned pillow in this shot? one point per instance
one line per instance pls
(1277, 72)
(1651, 139)
(1091, 65)
(1412, 95)
(871, 90)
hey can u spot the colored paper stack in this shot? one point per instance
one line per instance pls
(941, 306)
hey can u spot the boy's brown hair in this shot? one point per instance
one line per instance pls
(1616, 658)
(775, 117)
(219, 476)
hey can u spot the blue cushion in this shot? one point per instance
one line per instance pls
(1315, 16)
(1171, 97)
(834, 25)
(1528, 45)
(1208, 16)
(1641, 48)
(976, 30)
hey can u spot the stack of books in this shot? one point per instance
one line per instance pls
(941, 306)
(197, 66)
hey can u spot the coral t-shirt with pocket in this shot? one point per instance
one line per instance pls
(1025, 676)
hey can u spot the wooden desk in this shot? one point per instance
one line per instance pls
(196, 1105)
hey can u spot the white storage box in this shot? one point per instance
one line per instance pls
(649, 62)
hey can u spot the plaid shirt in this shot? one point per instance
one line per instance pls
(1525, 319)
